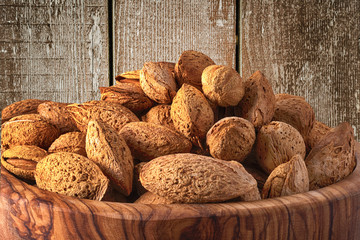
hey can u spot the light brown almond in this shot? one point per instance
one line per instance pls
(109, 151)
(159, 114)
(317, 132)
(69, 142)
(222, 85)
(287, 179)
(27, 106)
(190, 66)
(258, 103)
(191, 178)
(191, 114)
(277, 143)
(158, 82)
(332, 158)
(71, 174)
(148, 140)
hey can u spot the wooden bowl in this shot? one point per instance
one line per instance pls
(332, 212)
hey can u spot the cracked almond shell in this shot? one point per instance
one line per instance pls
(287, 179)
(190, 66)
(191, 114)
(222, 85)
(332, 158)
(158, 82)
(30, 129)
(191, 178)
(56, 114)
(71, 174)
(231, 138)
(69, 142)
(277, 143)
(258, 103)
(22, 160)
(148, 140)
(109, 151)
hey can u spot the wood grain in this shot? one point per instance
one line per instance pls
(308, 48)
(56, 50)
(161, 30)
(333, 212)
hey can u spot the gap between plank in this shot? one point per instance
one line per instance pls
(111, 41)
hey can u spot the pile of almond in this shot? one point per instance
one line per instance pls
(190, 132)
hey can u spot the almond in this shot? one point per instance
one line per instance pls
(69, 142)
(29, 129)
(159, 114)
(317, 132)
(190, 66)
(222, 85)
(71, 174)
(277, 143)
(148, 140)
(332, 158)
(109, 151)
(113, 114)
(151, 198)
(295, 111)
(23, 107)
(129, 95)
(157, 82)
(22, 160)
(231, 138)
(56, 114)
(191, 114)
(258, 103)
(287, 179)
(191, 178)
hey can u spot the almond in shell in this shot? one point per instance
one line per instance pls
(109, 151)
(69, 142)
(191, 178)
(191, 114)
(159, 114)
(71, 174)
(332, 158)
(23, 107)
(148, 140)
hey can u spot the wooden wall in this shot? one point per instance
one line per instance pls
(61, 50)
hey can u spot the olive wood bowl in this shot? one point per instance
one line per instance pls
(333, 212)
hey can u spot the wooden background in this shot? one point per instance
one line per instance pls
(64, 50)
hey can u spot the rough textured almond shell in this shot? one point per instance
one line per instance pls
(190, 66)
(148, 140)
(287, 179)
(258, 103)
(158, 82)
(113, 114)
(71, 174)
(25, 155)
(332, 158)
(159, 114)
(231, 138)
(109, 151)
(191, 178)
(191, 114)
(152, 198)
(129, 75)
(69, 142)
(129, 95)
(28, 132)
(277, 143)
(57, 115)
(296, 112)
(222, 85)
(317, 132)
(20, 108)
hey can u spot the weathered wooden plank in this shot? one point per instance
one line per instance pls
(309, 48)
(161, 30)
(56, 50)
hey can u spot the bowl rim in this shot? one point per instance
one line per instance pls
(346, 188)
